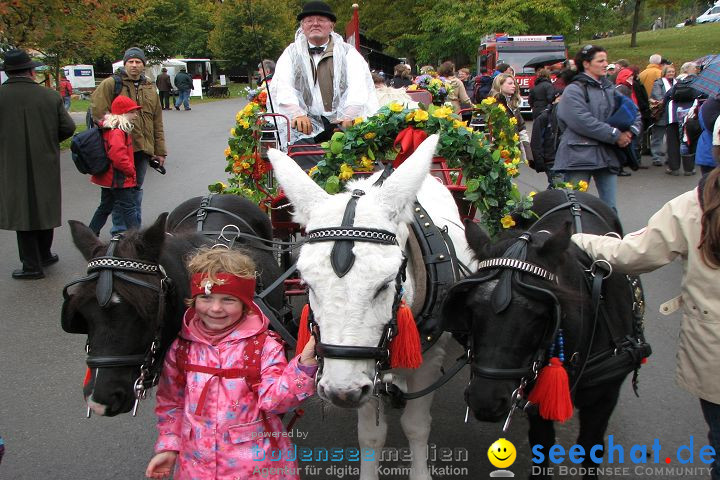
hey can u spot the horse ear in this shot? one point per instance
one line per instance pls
(300, 189)
(399, 190)
(84, 239)
(153, 238)
(557, 243)
(477, 239)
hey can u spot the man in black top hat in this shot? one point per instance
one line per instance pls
(320, 81)
(33, 122)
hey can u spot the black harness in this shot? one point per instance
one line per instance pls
(104, 270)
(509, 270)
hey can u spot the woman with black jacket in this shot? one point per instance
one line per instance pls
(542, 93)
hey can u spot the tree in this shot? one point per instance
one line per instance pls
(166, 28)
(246, 31)
(63, 30)
(635, 23)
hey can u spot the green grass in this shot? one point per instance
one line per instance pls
(676, 44)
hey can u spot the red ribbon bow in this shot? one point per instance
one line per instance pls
(409, 139)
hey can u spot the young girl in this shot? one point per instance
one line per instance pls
(118, 180)
(224, 380)
(687, 227)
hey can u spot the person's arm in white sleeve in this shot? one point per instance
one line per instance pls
(645, 250)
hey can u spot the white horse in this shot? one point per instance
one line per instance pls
(354, 309)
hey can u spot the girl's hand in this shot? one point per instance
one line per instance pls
(161, 465)
(307, 357)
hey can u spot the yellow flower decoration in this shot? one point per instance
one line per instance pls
(369, 135)
(489, 101)
(412, 87)
(507, 221)
(421, 115)
(313, 171)
(512, 171)
(346, 172)
(357, 120)
(502, 107)
(245, 165)
(228, 152)
(409, 116)
(459, 124)
(238, 116)
(395, 107)
(236, 158)
(582, 185)
(232, 132)
(569, 185)
(516, 138)
(513, 121)
(244, 124)
(366, 162)
(469, 129)
(532, 194)
(442, 112)
(248, 109)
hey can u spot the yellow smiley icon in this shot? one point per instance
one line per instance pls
(502, 453)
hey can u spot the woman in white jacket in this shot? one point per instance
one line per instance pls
(688, 227)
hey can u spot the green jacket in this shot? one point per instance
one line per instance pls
(148, 134)
(33, 122)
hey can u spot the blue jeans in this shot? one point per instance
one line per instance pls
(606, 182)
(711, 412)
(141, 165)
(183, 98)
(66, 102)
(120, 200)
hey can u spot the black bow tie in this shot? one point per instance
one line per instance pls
(316, 50)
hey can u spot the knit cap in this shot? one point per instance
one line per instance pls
(123, 104)
(134, 52)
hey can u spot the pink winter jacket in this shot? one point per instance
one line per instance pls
(225, 441)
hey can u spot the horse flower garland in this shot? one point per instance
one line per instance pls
(242, 155)
(488, 163)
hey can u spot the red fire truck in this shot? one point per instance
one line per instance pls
(521, 51)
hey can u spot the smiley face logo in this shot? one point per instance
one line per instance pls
(502, 453)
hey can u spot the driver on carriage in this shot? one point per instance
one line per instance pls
(320, 81)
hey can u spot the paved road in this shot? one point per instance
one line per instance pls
(41, 367)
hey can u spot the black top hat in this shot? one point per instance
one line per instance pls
(18, 60)
(317, 8)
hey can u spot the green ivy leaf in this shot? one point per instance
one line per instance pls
(332, 185)
(473, 185)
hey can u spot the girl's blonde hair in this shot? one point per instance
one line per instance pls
(123, 121)
(212, 261)
(496, 91)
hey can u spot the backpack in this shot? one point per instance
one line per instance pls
(88, 147)
(88, 152)
(684, 92)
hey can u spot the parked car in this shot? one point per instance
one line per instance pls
(712, 14)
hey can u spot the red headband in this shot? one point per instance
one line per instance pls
(239, 287)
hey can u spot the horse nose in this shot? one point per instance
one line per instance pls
(345, 397)
(110, 404)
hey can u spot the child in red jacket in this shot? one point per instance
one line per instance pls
(117, 181)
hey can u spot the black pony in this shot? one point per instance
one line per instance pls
(531, 284)
(131, 304)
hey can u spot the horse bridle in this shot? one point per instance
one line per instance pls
(104, 269)
(509, 270)
(342, 259)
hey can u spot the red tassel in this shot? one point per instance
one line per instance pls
(551, 392)
(88, 377)
(303, 330)
(405, 350)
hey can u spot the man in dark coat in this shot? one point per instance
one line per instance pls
(184, 85)
(164, 86)
(33, 122)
